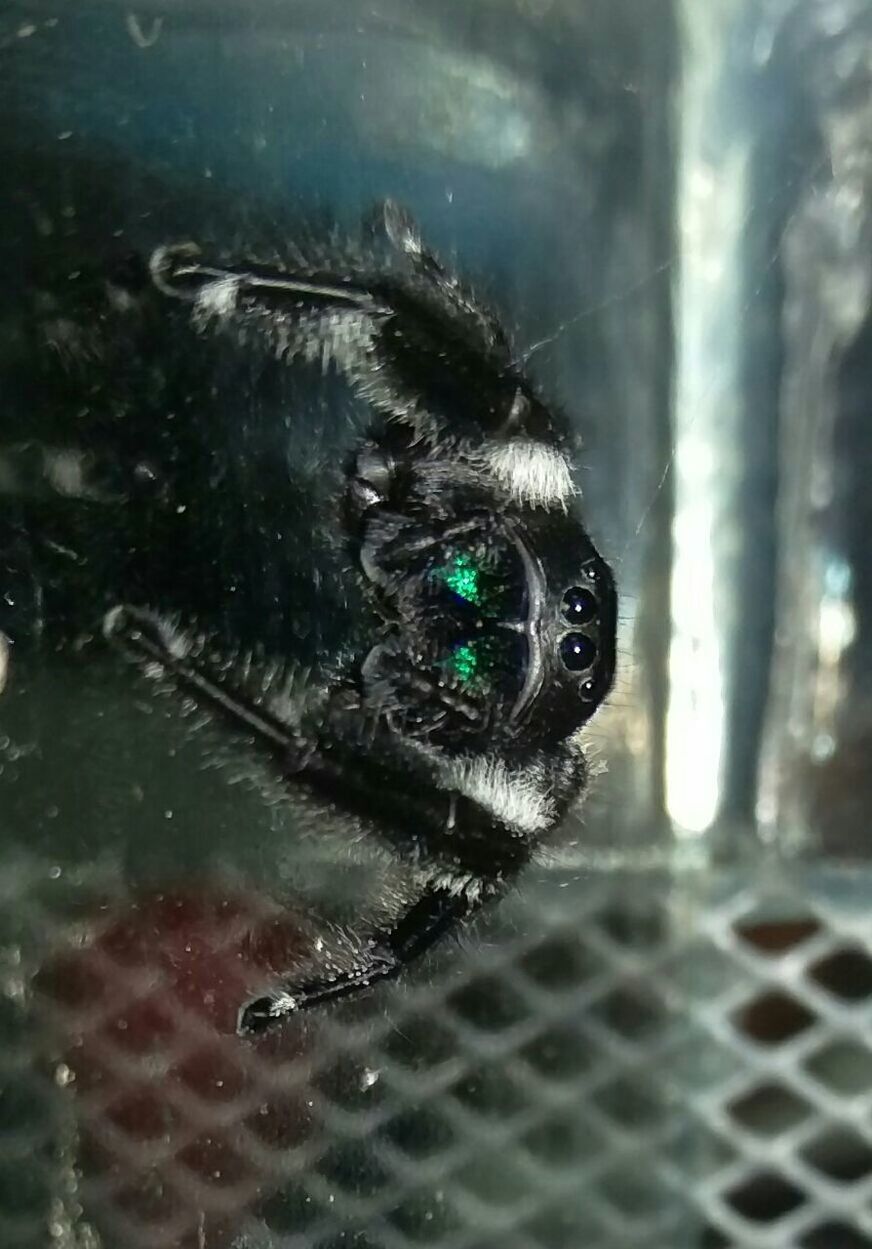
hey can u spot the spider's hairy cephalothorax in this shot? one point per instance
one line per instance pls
(465, 624)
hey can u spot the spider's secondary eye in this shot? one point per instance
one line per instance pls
(579, 605)
(577, 651)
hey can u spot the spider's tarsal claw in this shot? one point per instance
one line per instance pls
(257, 1016)
(174, 270)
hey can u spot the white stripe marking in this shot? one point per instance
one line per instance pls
(532, 472)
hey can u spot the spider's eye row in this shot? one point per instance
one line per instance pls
(577, 651)
(579, 605)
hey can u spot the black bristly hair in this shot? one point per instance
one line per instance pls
(484, 618)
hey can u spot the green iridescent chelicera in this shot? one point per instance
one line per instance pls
(464, 661)
(463, 578)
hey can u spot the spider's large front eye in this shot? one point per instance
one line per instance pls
(577, 651)
(579, 605)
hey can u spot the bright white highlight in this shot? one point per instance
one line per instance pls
(713, 211)
(515, 798)
(533, 473)
(218, 298)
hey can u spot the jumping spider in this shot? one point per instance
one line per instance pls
(450, 724)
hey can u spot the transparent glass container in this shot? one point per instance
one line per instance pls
(662, 1035)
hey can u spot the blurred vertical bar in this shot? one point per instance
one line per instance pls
(711, 205)
(725, 419)
(767, 721)
(815, 780)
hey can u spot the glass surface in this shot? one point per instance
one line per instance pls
(668, 207)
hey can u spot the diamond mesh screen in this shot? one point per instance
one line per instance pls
(604, 1062)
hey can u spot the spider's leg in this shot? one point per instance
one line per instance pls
(404, 234)
(428, 919)
(164, 652)
(178, 271)
(455, 833)
(416, 345)
(357, 775)
(339, 759)
(311, 316)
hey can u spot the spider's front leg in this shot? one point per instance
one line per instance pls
(434, 914)
(464, 854)
(408, 336)
(444, 819)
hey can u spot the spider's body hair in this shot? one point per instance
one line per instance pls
(519, 799)
(532, 474)
(458, 884)
(216, 299)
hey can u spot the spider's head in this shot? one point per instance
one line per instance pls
(570, 627)
(500, 627)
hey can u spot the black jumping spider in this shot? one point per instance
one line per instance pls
(449, 723)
